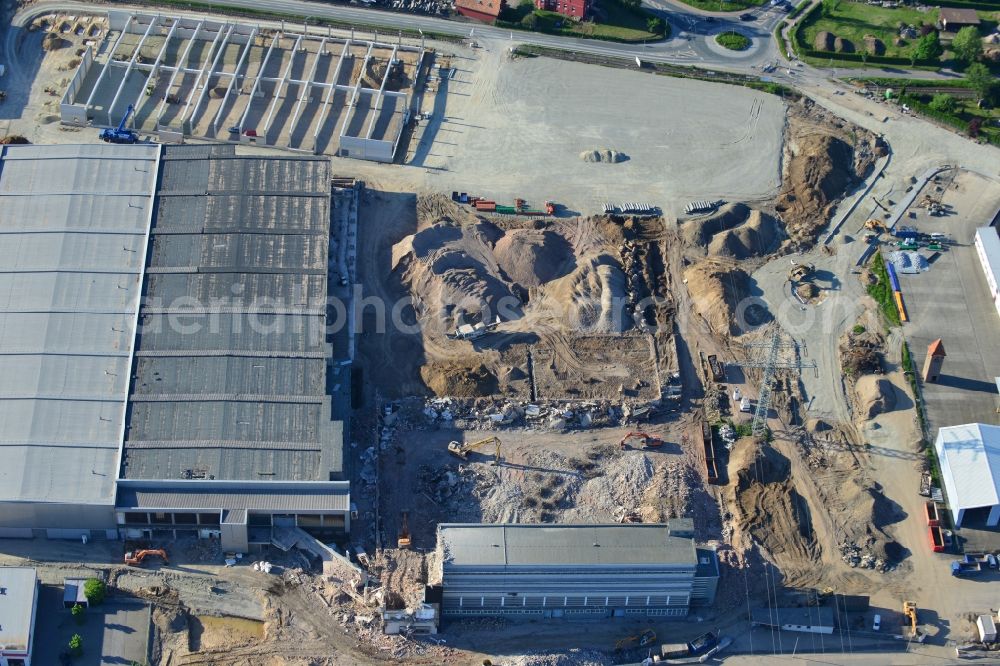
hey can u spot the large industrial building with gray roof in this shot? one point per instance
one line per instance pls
(653, 570)
(163, 345)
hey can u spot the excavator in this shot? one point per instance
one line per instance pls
(641, 640)
(404, 542)
(873, 224)
(135, 558)
(647, 441)
(462, 450)
(910, 613)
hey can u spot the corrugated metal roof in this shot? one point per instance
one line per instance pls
(989, 239)
(16, 607)
(239, 259)
(234, 495)
(560, 545)
(970, 464)
(73, 223)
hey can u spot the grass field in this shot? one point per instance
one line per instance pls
(854, 20)
(733, 41)
(881, 291)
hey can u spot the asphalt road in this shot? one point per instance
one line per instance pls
(692, 41)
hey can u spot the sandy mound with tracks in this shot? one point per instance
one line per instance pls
(735, 230)
(718, 290)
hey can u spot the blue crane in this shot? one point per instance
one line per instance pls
(120, 134)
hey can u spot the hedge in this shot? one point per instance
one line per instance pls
(963, 4)
(916, 83)
(799, 8)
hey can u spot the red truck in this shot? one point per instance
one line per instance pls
(933, 517)
(936, 538)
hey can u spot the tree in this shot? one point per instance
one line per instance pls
(974, 126)
(981, 80)
(928, 47)
(943, 103)
(76, 645)
(967, 45)
(656, 25)
(78, 612)
(830, 7)
(95, 590)
(530, 21)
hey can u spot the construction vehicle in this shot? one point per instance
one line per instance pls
(647, 441)
(462, 450)
(910, 613)
(136, 557)
(801, 272)
(404, 542)
(120, 134)
(639, 640)
(876, 225)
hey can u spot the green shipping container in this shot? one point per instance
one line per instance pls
(507, 210)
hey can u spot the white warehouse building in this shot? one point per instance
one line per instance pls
(970, 470)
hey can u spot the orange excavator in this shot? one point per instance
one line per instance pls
(646, 441)
(135, 558)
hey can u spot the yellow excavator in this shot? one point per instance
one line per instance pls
(404, 541)
(875, 225)
(640, 640)
(910, 613)
(462, 450)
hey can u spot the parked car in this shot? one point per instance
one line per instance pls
(877, 622)
(747, 17)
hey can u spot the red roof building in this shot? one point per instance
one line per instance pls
(577, 9)
(486, 11)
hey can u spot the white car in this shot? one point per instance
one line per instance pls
(877, 622)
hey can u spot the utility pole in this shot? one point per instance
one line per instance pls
(771, 355)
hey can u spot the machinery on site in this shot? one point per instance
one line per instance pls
(120, 134)
(639, 640)
(910, 630)
(876, 225)
(404, 541)
(462, 450)
(135, 558)
(646, 441)
(801, 272)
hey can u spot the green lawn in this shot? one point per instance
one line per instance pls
(965, 111)
(881, 291)
(719, 6)
(733, 41)
(853, 20)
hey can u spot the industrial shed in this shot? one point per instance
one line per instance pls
(240, 83)
(969, 456)
(230, 426)
(18, 610)
(574, 570)
(987, 245)
(74, 224)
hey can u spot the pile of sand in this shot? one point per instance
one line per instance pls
(456, 380)
(820, 168)
(532, 257)
(53, 42)
(768, 506)
(823, 41)
(735, 230)
(592, 298)
(717, 289)
(875, 395)
(605, 156)
(451, 270)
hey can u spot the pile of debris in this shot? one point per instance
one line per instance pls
(858, 556)
(557, 415)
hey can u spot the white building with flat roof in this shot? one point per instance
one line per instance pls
(969, 456)
(988, 250)
(18, 603)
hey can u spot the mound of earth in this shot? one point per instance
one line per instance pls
(451, 270)
(53, 42)
(767, 504)
(820, 168)
(753, 238)
(12, 139)
(824, 41)
(605, 156)
(718, 291)
(874, 45)
(459, 381)
(591, 298)
(532, 257)
(875, 395)
(841, 45)
(700, 231)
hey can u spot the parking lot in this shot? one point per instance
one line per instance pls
(951, 301)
